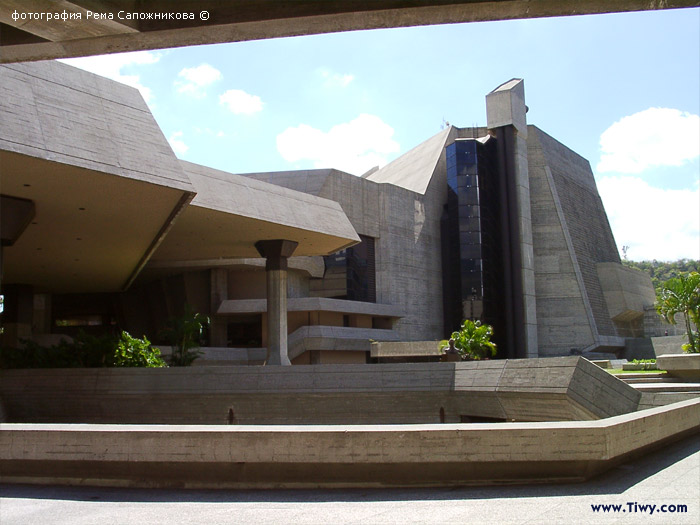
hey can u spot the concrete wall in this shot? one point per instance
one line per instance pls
(671, 344)
(578, 272)
(334, 456)
(406, 227)
(556, 389)
(627, 291)
(565, 319)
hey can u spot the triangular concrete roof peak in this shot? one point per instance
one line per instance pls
(414, 169)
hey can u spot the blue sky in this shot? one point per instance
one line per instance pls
(622, 90)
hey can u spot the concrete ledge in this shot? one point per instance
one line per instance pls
(330, 338)
(406, 349)
(686, 366)
(333, 456)
(313, 304)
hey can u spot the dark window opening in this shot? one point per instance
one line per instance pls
(245, 331)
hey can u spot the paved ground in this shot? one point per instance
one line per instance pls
(667, 477)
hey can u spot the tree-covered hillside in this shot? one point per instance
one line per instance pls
(662, 271)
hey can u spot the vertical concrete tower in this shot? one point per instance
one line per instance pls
(505, 114)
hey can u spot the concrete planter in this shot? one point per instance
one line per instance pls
(640, 366)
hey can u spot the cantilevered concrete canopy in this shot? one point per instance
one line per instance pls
(154, 24)
(106, 189)
(231, 213)
(104, 182)
(92, 231)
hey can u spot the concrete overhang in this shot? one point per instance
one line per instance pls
(113, 26)
(95, 236)
(231, 213)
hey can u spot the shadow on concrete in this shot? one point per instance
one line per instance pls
(615, 481)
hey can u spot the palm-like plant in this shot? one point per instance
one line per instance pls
(184, 333)
(473, 341)
(682, 295)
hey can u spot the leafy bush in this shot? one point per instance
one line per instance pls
(131, 351)
(86, 351)
(473, 341)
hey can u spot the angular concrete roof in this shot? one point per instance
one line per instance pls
(231, 212)
(414, 169)
(60, 113)
(307, 181)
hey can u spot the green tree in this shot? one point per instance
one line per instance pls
(662, 271)
(682, 295)
(473, 341)
(184, 334)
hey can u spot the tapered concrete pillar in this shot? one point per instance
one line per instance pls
(276, 252)
(505, 114)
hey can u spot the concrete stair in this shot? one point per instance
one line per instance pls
(632, 379)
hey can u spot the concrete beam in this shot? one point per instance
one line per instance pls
(63, 30)
(260, 19)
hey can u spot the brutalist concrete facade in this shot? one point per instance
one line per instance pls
(555, 280)
(576, 295)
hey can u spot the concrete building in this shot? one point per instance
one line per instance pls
(104, 227)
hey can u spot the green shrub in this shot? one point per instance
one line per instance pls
(694, 347)
(473, 341)
(131, 351)
(85, 351)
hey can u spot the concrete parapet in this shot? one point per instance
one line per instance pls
(333, 456)
(554, 389)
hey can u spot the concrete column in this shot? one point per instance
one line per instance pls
(276, 252)
(218, 330)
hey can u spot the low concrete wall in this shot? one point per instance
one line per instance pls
(671, 344)
(333, 456)
(553, 389)
(685, 366)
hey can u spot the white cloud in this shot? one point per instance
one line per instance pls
(653, 137)
(354, 146)
(178, 145)
(110, 66)
(655, 223)
(240, 102)
(334, 80)
(196, 79)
